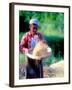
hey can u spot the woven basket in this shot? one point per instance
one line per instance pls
(47, 54)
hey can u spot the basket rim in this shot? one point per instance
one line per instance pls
(28, 54)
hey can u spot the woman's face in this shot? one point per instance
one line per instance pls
(33, 29)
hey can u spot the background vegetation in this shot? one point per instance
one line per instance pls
(51, 25)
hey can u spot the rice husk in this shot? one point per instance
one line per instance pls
(40, 49)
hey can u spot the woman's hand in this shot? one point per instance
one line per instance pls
(31, 49)
(25, 50)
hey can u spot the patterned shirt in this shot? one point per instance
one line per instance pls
(26, 40)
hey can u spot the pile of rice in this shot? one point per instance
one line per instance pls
(40, 49)
(56, 69)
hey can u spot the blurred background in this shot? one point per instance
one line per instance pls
(51, 25)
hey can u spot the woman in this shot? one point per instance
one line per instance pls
(26, 43)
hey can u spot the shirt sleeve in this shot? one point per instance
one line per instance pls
(40, 36)
(23, 42)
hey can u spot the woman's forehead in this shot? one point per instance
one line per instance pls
(33, 25)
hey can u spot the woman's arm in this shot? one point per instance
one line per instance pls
(41, 37)
(23, 42)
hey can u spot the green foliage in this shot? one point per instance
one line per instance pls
(50, 60)
(48, 20)
(20, 36)
(21, 58)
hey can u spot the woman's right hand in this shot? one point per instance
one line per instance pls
(25, 50)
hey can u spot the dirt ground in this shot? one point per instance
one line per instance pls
(48, 71)
(22, 72)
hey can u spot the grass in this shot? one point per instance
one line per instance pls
(21, 58)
